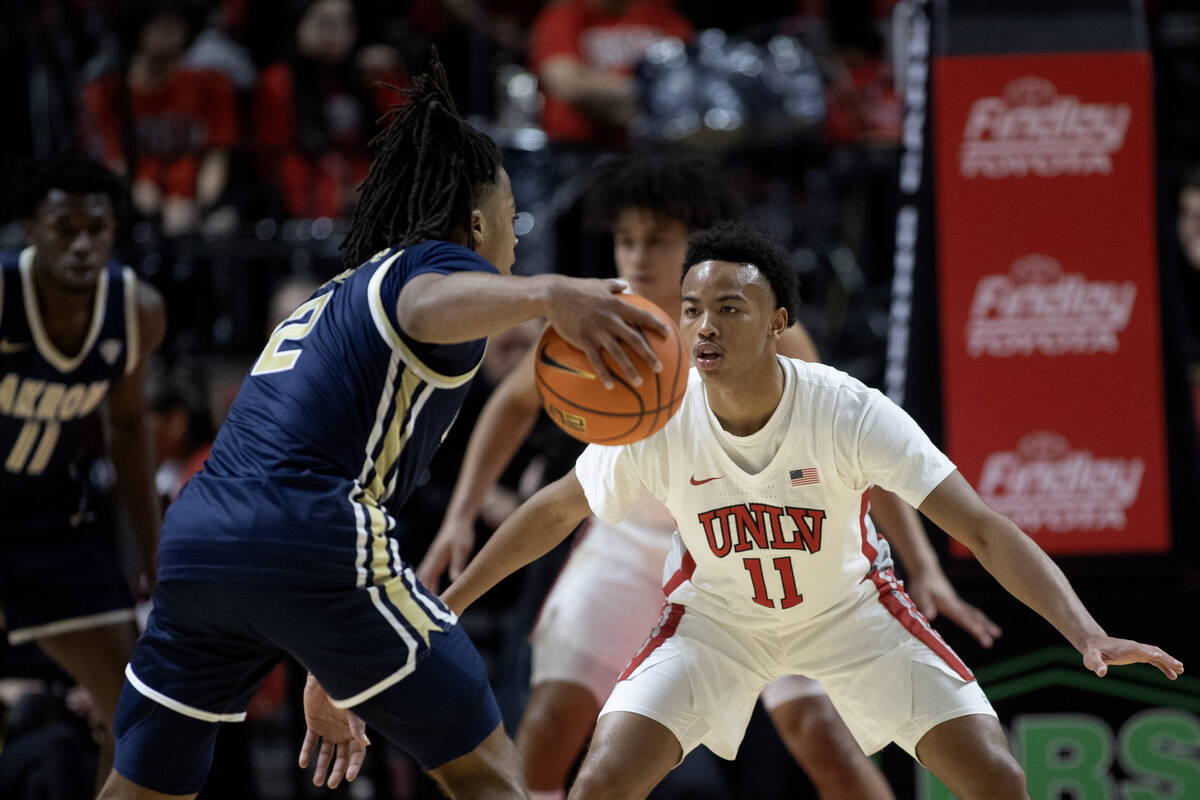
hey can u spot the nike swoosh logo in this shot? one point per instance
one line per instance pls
(706, 480)
(550, 362)
(12, 347)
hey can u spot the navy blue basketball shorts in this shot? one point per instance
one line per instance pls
(393, 653)
(61, 584)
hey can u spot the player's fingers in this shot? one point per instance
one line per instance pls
(306, 748)
(643, 319)
(358, 728)
(1095, 662)
(430, 569)
(635, 339)
(1149, 654)
(620, 357)
(617, 285)
(338, 770)
(598, 365)
(974, 622)
(324, 756)
(355, 762)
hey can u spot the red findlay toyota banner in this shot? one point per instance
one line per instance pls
(1048, 294)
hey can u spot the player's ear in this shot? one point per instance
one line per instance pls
(478, 228)
(779, 322)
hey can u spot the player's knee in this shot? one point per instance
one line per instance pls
(490, 784)
(1000, 777)
(815, 731)
(594, 782)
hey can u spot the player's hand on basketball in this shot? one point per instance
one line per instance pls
(337, 735)
(452, 547)
(588, 314)
(934, 596)
(1101, 652)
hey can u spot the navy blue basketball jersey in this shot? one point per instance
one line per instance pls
(45, 395)
(332, 429)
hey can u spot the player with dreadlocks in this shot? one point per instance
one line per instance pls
(281, 543)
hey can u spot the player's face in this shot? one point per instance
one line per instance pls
(73, 234)
(493, 222)
(729, 320)
(649, 249)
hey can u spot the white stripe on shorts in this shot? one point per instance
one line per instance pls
(175, 705)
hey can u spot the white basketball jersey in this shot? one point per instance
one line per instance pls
(793, 540)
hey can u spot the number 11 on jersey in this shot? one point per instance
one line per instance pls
(783, 565)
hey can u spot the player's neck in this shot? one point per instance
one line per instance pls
(746, 403)
(66, 315)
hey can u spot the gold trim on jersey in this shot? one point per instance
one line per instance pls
(377, 555)
(133, 352)
(390, 335)
(40, 338)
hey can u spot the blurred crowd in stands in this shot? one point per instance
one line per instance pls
(244, 128)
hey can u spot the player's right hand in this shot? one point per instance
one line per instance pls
(452, 547)
(589, 315)
(342, 735)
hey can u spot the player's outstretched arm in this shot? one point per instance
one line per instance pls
(1029, 575)
(132, 443)
(927, 584)
(462, 306)
(530, 532)
(504, 423)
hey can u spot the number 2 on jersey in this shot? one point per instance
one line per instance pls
(292, 329)
(783, 566)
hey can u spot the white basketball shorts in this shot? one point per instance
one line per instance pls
(890, 677)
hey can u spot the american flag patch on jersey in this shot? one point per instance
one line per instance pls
(804, 476)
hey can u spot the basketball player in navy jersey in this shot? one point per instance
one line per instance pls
(280, 544)
(76, 333)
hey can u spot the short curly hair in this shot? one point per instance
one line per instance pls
(682, 186)
(72, 173)
(743, 243)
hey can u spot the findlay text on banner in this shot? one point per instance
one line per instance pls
(1048, 287)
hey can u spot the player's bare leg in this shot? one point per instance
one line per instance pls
(492, 771)
(553, 732)
(823, 746)
(970, 756)
(96, 659)
(119, 788)
(628, 757)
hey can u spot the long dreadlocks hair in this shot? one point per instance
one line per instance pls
(430, 169)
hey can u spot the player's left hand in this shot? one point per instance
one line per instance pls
(934, 595)
(1101, 652)
(341, 733)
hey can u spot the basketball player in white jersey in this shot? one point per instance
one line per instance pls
(776, 568)
(611, 584)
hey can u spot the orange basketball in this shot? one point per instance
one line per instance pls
(575, 398)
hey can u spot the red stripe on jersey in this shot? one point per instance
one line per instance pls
(868, 549)
(686, 567)
(668, 621)
(901, 606)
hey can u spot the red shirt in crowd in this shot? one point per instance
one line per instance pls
(606, 42)
(173, 125)
(315, 184)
